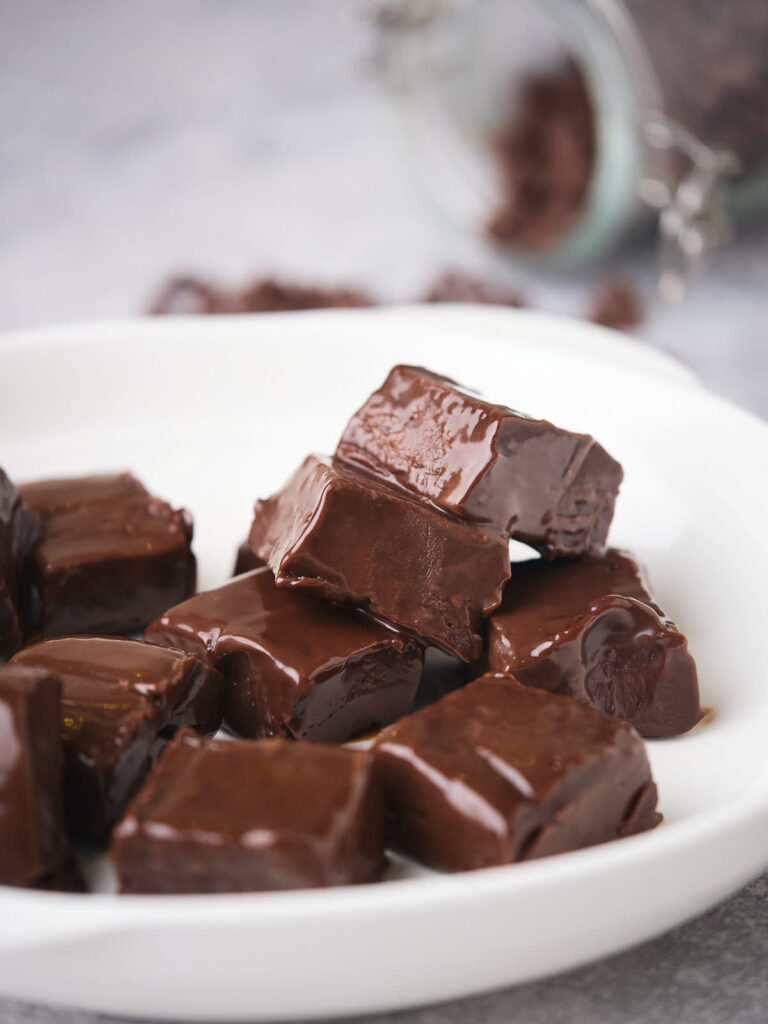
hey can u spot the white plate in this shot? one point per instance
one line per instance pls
(212, 413)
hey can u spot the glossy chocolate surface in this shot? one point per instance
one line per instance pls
(295, 665)
(18, 532)
(33, 845)
(347, 537)
(121, 700)
(590, 629)
(238, 816)
(247, 560)
(513, 475)
(111, 558)
(500, 772)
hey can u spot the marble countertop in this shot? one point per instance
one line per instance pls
(240, 137)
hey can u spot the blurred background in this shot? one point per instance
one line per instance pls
(373, 148)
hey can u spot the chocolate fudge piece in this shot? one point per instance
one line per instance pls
(247, 559)
(239, 816)
(18, 532)
(33, 844)
(501, 772)
(510, 474)
(590, 629)
(296, 666)
(347, 537)
(111, 558)
(121, 700)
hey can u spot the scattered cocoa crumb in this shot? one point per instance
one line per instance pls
(454, 286)
(192, 295)
(545, 156)
(616, 303)
(187, 296)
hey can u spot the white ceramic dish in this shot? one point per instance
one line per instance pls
(212, 413)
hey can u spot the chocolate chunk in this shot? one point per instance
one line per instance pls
(247, 560)
(18, 532)
(121, 699)
(545, 157)
(347, 537)
(616, 304)
(238, 816)
(33, 845)
(500, 772)
(453, 286)
(296, 666)
(590, 629)
(190, 295)
(111, 558)
(511, 474)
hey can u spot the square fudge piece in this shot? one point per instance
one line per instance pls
(500, 772)
(513, 475)
(19, 531)
(296, 666)
(590, 629)
(346, 537)
(121, 700)
(33, 843)
(239, 816)
(111, 557)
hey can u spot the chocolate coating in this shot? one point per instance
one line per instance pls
(32, 837)
(499, 772)
(347, 537)
(247, 560)
(296, 666)
(18, 532)
(111, 558)
(121, 700)
(513, 475)
(238, 816)
(590, 629)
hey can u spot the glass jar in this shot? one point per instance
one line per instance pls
(557, 127)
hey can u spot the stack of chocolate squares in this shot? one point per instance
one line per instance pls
(397, 543)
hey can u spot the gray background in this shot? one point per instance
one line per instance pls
(245, 136)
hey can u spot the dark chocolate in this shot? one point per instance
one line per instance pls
(500, 772)
(617, 304)
(33, 845)
(296, 666)
(111, 558)
(19, 531)
(591, 629)
(247, 560)
(190, 295)
(454, 286)
(347, 537)
(545, 152)
(512, 475)
(121, 700)
(239, 816)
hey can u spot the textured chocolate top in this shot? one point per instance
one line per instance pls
(111, 557)
(118, 695)
(32, 841)
(295, 664)
(499, 772)
(18, 532)
(591, 629)
(347, 537)
(103, 518)
(240, 815)
(514, 475)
